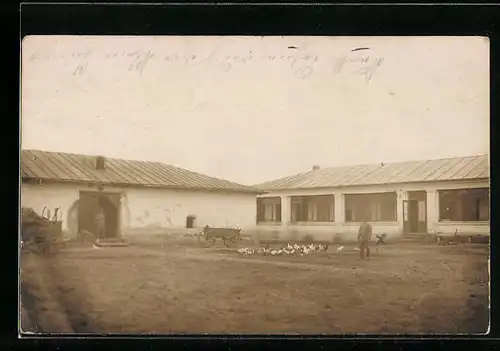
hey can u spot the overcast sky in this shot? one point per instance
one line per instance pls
(251, 109)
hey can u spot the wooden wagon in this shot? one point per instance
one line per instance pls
(41, 234)
(227, 235)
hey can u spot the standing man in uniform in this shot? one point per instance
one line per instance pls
(100, 221)
(364, 238)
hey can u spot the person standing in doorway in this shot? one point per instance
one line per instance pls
(100, 221)
(364, 238)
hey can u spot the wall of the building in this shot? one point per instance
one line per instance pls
(348, 230)
(148, 211)
(150, 208)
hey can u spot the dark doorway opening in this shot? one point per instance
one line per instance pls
(90, 205)
(415, 212)
(190, 221)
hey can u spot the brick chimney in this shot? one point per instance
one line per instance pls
(100, 162)
(316, 167)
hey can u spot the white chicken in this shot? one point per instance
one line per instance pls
(339, 249)
(290, 248)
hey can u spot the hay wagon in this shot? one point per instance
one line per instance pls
(41, 234)
(227, 235)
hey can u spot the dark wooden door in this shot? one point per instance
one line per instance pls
(110, 203)
(89, 205)
(413, 216)
(87, 209)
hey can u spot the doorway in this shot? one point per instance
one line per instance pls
(415, 212)
(89, 205)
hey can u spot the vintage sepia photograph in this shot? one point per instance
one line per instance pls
(181, 185)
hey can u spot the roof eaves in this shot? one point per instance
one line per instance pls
(245, 189)
(483, 178)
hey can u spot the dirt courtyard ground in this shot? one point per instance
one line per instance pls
(176, 286)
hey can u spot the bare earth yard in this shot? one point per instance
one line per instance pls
(176, 286)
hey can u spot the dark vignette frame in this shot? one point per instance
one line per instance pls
(258, 19)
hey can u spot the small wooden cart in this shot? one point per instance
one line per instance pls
(41, 234)
(229, 236)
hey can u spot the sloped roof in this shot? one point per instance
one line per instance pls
(67, 167)
(458, 168)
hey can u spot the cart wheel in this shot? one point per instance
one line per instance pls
(54, 246)
(231, 242)
(202, 240)
(28, 244)
(200, 236)
(37, 248)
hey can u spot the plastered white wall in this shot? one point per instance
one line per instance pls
(169, 209)
(51, 196)
(148, 210)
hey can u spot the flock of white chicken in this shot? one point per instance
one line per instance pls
(288, 249)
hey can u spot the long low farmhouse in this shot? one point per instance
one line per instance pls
(434, 196)
(136, 197)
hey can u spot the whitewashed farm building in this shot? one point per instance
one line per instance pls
(433, 196)
(137, 197)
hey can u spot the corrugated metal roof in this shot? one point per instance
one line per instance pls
(458, 168)
(59, 166)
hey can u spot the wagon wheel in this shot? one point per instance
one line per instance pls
(30, 244)
(27, 233)
(199, 236)
(212, 241)
(48, 247)
(202, 239)
(44, 244)
(35, 245)
(54, 245)
(233, 241)
(37, 242)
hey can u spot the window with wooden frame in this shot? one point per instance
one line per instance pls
(464, 205)
(317, 208)
(269, 210)
(377, 207)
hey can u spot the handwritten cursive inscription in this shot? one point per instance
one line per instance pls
(369, 65)
(140, 60)
(301, 63)
(369, 70)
